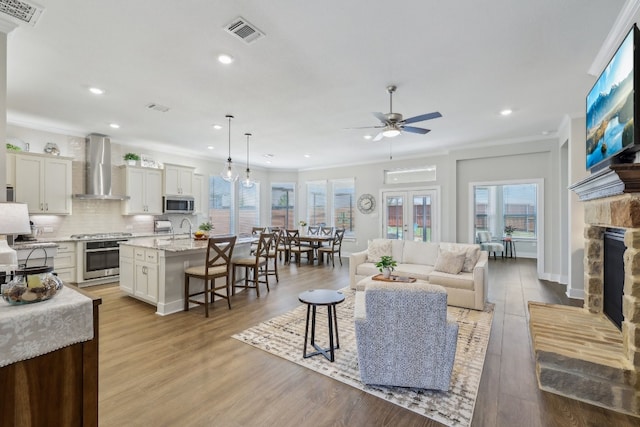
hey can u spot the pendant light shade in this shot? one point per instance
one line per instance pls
(229, 173)
(247, 182)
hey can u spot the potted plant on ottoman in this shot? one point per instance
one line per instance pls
(386, 265)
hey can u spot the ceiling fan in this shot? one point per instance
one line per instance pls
(392, 124)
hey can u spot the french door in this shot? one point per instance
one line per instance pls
(411, 215)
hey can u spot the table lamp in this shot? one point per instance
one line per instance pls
(14, 219)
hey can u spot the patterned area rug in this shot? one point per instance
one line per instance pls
(284, 337)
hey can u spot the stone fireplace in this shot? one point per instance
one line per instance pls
(580, 353)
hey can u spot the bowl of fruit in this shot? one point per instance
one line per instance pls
(200, 235)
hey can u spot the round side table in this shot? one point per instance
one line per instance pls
(321, 297)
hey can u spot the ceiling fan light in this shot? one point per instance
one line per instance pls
(391, 133)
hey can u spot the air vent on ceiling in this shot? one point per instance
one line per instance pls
(157, 107)
(21, 11)
(244, 30)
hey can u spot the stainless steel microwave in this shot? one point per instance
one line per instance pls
(178, 204)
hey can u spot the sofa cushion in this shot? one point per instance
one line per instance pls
(397, 248)
(450, 262)
(418, 271)
(459, 281)
(420, 253)
(377, 248)
(471, 257)
(367, 269)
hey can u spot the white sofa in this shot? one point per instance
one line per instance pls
(417, 259)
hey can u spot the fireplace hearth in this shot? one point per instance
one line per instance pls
(582, 353)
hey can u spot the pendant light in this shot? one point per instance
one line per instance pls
(247, 183)
(228, 173)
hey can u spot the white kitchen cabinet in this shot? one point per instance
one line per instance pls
(65, 262)
(43, 182)
(11, 169)
(178, 180)
(139, 273)
(200, 194)
(144, 187)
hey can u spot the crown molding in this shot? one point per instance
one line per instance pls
(626, 18)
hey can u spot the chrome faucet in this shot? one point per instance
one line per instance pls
(190, 225)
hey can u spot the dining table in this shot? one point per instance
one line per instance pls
(315, 241)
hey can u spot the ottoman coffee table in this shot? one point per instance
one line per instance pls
(321, 297)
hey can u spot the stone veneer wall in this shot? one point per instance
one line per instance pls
(617, 212)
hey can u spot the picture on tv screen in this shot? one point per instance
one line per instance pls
(610, 106)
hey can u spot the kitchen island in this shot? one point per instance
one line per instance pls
(152, 269)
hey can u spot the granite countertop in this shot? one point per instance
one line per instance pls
(180, 243)
(34, 244)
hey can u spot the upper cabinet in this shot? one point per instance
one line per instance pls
(199, 194)
(43, 182)
(144, 188)
(178, 180)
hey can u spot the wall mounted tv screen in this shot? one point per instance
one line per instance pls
(611, 108)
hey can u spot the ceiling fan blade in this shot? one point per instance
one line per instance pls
(380, 116)
(415, 129)
(378, 137)
(423, 117)
(366, 127)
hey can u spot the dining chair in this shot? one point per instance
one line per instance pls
(282, 248)
(255, 232)
(296, 248)
(256, 263)
(273, 255)
(313, 230)
(326, 231)
(335, 248)
(217, 265)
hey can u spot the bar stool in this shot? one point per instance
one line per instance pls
(218, 264)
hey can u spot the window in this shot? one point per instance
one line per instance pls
(332, 203)
(519, 209)
(220, 203)
(317, 203)
(498, 206)
(248, 208)
(283, 205)
(343, 204)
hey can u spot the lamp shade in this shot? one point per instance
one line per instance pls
(15, 218)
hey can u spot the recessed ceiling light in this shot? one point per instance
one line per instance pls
(307, 155)
(225, 59)
(548, 132)
(210, 147)
(367, 137)
(506, 112)
(114, 125)
(268, 162)
(268, 155)
(96, 90)
(217, 127)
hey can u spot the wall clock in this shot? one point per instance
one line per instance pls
(366, 203)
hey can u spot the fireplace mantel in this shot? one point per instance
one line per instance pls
(611, 181)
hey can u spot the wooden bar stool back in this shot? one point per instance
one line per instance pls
(257, 263)
(218, 265)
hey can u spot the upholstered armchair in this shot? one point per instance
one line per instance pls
(487, 244)
(403, 336)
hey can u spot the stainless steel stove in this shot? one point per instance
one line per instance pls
(101, 254)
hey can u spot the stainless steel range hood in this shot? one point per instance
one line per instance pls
(98, 169)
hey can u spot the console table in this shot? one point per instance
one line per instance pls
(57, 388)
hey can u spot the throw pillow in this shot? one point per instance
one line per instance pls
(471, 258)
(377, 248)
(450, 262)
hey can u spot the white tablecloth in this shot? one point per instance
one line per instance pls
(30, 330)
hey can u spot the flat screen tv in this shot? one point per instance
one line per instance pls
(611, 109)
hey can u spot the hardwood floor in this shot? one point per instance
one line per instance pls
(186, 370)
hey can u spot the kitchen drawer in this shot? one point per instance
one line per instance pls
(139, 254)
(151, 256)
(66, 247)
(64, 260)
(68, 275)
